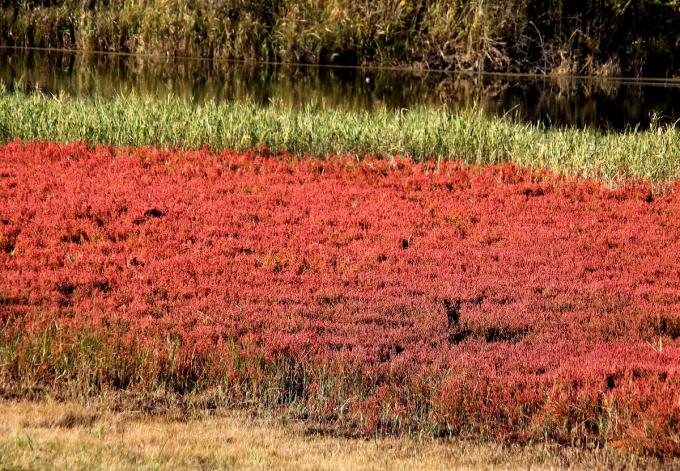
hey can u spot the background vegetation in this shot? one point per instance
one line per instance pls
(605, 37)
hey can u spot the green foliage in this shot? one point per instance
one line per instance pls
(422, 133)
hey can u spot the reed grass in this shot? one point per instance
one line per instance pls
(421, 133)
(547, 36)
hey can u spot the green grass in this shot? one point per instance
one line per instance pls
(422, 133)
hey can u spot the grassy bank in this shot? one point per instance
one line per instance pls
(579, 37)
(421, 133)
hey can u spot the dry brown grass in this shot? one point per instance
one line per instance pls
(49, 435)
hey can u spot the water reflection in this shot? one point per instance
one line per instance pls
(564, 102)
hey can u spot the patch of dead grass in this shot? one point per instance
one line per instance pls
(50, 435)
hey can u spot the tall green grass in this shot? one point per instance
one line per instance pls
(421, 133)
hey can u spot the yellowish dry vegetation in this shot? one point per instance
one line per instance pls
(545, 36)
(49, 435)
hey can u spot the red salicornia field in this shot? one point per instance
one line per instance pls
(385, 296)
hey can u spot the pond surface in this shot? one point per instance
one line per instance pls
(605, 104)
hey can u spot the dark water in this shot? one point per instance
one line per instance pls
(606, 104)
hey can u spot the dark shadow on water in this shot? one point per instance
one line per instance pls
(604, 104)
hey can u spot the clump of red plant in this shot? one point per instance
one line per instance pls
(383, 296)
